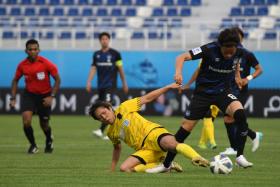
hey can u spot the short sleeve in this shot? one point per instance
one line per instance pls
(18, 73)
(132, 105)
(93, 60)
(52, 68)
(198, 52)
(253, 61)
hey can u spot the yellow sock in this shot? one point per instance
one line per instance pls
(143, 167)
(187, 151)
(209, 130)
(203, 137)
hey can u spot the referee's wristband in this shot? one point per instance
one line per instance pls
(249, 77)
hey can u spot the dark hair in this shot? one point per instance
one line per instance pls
(228, 38)
(96, 105)
(31, 41)
(239, 31)
(104, 34)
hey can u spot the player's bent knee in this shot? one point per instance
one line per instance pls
(124, 168)
(239, 115)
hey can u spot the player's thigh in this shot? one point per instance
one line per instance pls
(130, 163)
(146, 156)
(106, 95)
(198, 107)
(228, 103)
(152, 141)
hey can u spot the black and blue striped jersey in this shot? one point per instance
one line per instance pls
(106, 64)
(216, 73)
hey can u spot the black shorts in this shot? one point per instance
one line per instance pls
(106, 95)
(201, 102)
(34, 102)
(243, 96)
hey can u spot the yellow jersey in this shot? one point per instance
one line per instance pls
(130, 126)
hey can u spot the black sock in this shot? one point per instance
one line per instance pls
(242, 130)
(231, 133)
(48, 133)
(251, 134)
(103, 126)
(180, 136)
(28, 131)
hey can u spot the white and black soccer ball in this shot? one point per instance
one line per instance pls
(221, 164)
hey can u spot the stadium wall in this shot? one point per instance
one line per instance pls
(144, 71)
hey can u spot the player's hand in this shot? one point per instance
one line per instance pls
(174, 86)
(238, 82)
(244, 82)
(88, 87)
(47, 101)
(183, 88)
(178, 78)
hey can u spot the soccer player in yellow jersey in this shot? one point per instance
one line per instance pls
(149, 140)
(207, 133)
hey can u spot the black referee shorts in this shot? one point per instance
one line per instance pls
(201, 102)
(34, 102)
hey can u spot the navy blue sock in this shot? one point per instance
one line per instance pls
(28, 131)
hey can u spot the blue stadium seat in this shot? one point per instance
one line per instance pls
(168, 2)
(83, 2)
(235, 11)
(137, 35)
(44, 12)
(48, 22)
(3, 11)
(112, 2)
(24, 35)
(8, 35)
(58, 12)
(262, 11)
(69, 2)
(172, 12)
(80, 35)
(195, 2)
(149, 22)
(48, 35)
(73, 12)
(167, 35)
(270, 35)
(33, 22)
(102, 12)
(182, 2)
(126, 2)
(213, 35)
(121, 22)
(87, 12)
(249, 11)
(63, 22)
(152, 35)
(29, 12)
(11, 2)
(176, 22)
(185, 12)
(116, 12)
(15, 11)
(96, 35)
(162, 22)
(130, 12)
(26, 2)
(157, 12)
(40, 2)
(245, 2)
(97, 2)
(54, 2)
(65, 35)
(78, 22)
(141, 2)
(259, 2)
(272, 2)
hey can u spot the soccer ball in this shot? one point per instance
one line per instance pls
(221, 164)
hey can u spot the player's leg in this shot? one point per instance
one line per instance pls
(203, 137)
(235, 109)
(231, 133)
(44, 117)
(28, 105)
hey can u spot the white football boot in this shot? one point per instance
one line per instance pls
(158, 169)
(242, 162)
(256, 141)
(98, 133)
(229, 151)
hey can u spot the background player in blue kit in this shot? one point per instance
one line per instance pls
(107, 62)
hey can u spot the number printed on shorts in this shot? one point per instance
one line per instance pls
(232, 96)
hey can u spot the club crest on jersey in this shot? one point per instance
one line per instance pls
(109, 57)
(125, 123)
(41, 76)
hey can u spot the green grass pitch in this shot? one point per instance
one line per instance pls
(80, 159)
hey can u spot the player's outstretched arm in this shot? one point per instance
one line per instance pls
(13, 92)
(156, 93)
(179, 66)
(115, 156)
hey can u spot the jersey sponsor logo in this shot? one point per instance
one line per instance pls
(109, 58)
(41, 76)
(196, 50)
(126, 123)
(104, 63)
(220, 70)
